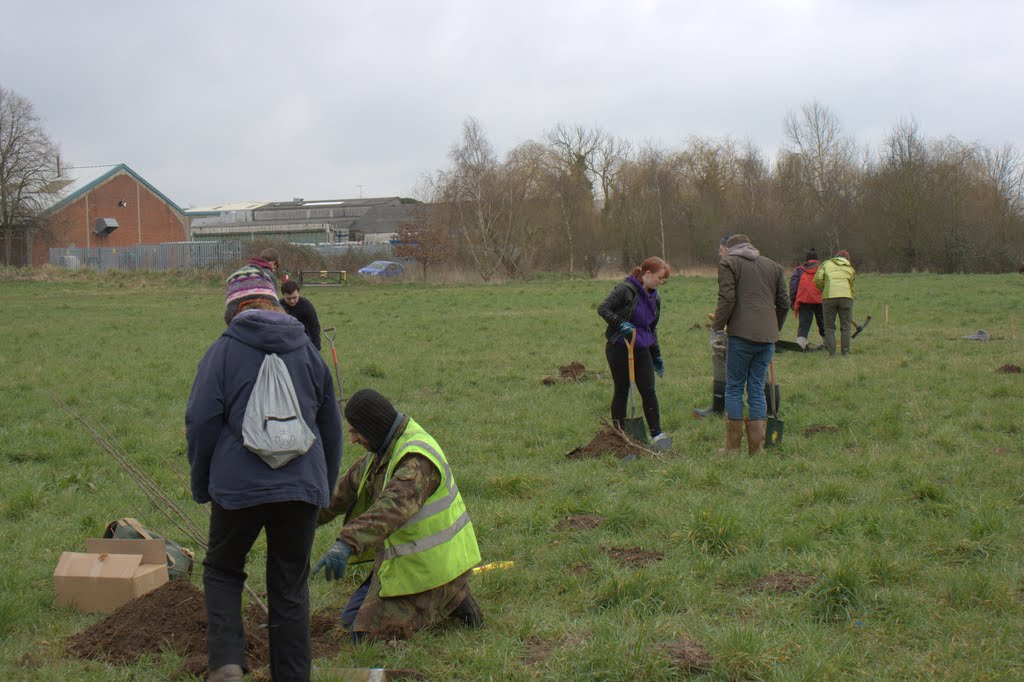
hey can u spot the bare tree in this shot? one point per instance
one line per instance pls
(29, 174)
(827, 162)
(573, 162)
(425, 239)
(470, 191)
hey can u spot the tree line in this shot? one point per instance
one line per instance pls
(580, 198)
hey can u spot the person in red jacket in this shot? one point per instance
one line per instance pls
(806, 298)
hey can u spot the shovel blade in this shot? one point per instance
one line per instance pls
(636, 429)
(773, 432)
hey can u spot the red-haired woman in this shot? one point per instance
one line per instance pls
(634, 306)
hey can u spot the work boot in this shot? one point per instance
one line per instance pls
(802, 342)
(755, 436)
(232, 672)
(733, 437)
(717, 401)
(469, 613)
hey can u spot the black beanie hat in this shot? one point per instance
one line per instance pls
(812, 254)
(371, 414)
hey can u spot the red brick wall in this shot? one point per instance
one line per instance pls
(147, 219)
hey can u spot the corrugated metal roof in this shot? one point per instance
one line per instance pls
(223, 208)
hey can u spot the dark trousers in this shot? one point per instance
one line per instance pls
(290, 527)
(809, 312)
(643, 365)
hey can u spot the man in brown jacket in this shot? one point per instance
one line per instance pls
(752, 305)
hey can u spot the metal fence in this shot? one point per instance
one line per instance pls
(174, 256)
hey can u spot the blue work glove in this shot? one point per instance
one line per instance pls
(334, 561)
(659, 366)
(626, 329)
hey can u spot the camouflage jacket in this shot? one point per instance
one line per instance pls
(415, 479)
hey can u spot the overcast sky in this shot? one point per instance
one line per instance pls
(221, 101)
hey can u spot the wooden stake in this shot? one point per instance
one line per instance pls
(886, 312)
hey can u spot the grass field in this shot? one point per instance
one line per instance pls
(907, 517)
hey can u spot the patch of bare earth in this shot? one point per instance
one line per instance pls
(579, 569)
(633, 556)
(1009, 369)
(536, 650)
(685, 655)
(580, 522)
(172, 618)
(784, 581)
(573, 373)
(820, 428)
(609, 440)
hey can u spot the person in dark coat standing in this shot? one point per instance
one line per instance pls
(246, 495)
(752, 307)
(719, 340)
(632, 311)
(302, 310)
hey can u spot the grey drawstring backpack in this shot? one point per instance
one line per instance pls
(273, 427)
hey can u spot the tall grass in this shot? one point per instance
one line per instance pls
(908, 515)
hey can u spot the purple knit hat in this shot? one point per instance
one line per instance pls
(247, 283)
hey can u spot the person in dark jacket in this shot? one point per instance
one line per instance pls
(632, 310)
(302, 310)
(246, 494)
(805, 298)
(719, 340)
(752, 307)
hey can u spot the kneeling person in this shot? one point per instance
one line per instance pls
(404, 513)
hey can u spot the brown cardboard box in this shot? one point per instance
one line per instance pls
(109, 573)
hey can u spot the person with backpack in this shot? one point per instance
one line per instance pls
(278, 491)
(403, 512)
(632, 311)
(834, 280)
(805, 298)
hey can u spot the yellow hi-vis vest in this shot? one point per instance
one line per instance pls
(437, 544)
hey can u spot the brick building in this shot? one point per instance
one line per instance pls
(109, 206)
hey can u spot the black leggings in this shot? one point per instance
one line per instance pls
(643, 365)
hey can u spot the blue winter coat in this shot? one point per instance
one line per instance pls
(224, 470)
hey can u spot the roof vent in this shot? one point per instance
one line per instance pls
(298, 200)
(105, 226)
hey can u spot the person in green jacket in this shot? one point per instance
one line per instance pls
(403, 511)
(834, 280)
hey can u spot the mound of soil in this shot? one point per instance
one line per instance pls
(580, 522)
(573, 373)
(784, 581)
(820, 428)
(608, 440)
(1009, 369)
(172, 618)
(633, 556)
(686, 655)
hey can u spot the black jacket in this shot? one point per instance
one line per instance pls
(618, 307)
(305, 313)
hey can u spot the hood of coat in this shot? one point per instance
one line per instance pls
(841, 261)
(269, 331)
(811, 266)
(745, 250)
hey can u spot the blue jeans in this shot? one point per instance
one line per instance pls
(746, 364)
